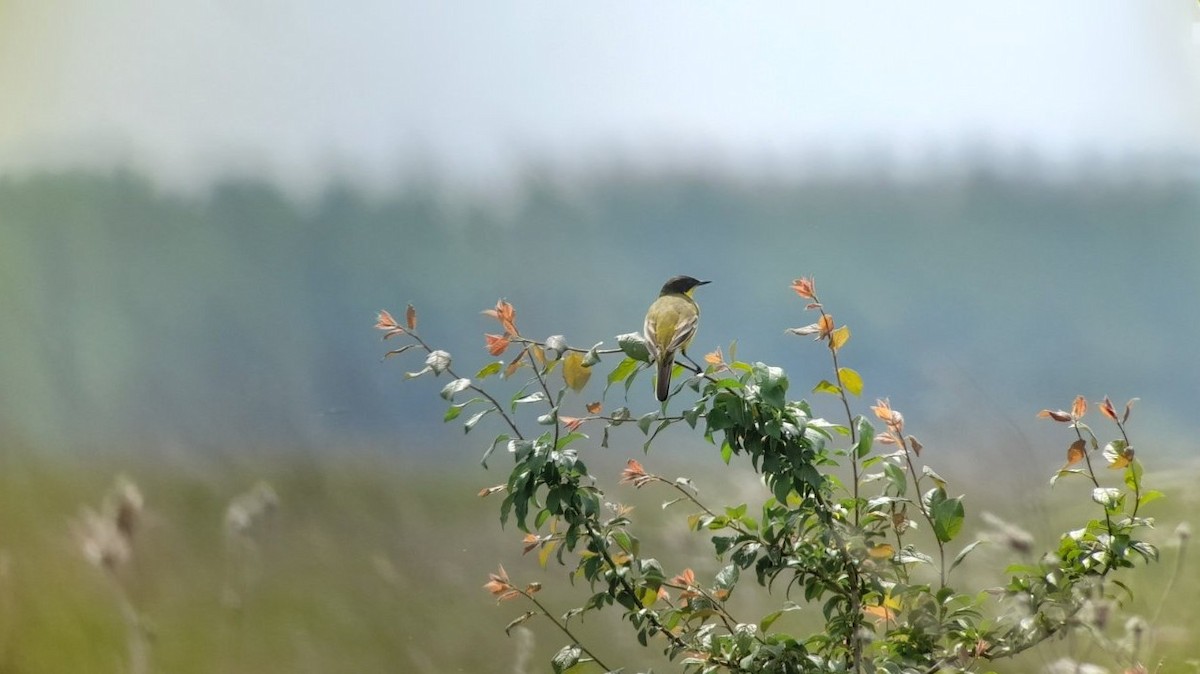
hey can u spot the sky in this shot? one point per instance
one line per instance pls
(297, 90)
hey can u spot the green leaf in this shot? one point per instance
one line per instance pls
(1065, 472)
(645, 420)
(522, 618)
(397, 352)
(1133, 475)
(770, 618)
(1152, 495)
(866, 437)
(726, 452)
(727, 578)
(623, 369)
(937, 479)
(455, 387)
(592, 356)
(555, 346)
(963, 555)
(490, 369)
(568, 439)
(896, 478)
(518, 399)
(851, 380)
(470, 423)
(947, 514)
(566, 658)
(495, 443)
(772, 384)
(825, 386)
(452, 413)
(634, 346)
(1114, 454)
(1109, 497)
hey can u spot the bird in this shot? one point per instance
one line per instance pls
(670, 325)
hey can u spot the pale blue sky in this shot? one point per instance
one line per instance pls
(294, 88)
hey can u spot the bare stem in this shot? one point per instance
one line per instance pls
(495, 403)
(565, 630)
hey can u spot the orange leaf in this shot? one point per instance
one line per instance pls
(825, 326)
(1107, 409)
(1079, 408)
(499, 586)
(685, 578)
(514, 365)
(496, 344)
(882, 409)
(1057, 415)
(1128, 409)
(714, 357)
(384, 321)
(635, 474)
(531, 541)
(894, 420)
(594, 408)
(572, 424)
(504, 313)
(488, 491)
(885, 611)
(410, 317)
(805, 288)
(1076, 452)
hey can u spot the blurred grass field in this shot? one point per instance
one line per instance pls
(375, 563)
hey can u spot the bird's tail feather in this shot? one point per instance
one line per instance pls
(666, 363)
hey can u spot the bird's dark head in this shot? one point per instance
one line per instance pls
(681, 285)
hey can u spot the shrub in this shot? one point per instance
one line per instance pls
(874, 550)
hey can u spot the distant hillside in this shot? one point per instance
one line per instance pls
(243, 316)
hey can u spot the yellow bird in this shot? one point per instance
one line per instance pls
(670, 325)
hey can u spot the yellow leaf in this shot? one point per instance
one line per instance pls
(885, 610)
(647, 596)
(574, 373)
(851, 380)
(839, 337)
(547, 550)
(882, 551)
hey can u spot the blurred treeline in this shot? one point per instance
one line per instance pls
(242, 316)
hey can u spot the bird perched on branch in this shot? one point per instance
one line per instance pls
(670, 325)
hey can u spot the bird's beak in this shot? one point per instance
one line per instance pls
(703, 283)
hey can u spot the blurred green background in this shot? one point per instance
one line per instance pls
(202, 207)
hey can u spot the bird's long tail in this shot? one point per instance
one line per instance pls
(666, 363)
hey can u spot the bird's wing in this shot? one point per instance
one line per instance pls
(650, 331)
(684, 331)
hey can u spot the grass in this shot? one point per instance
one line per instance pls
(372, 563)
